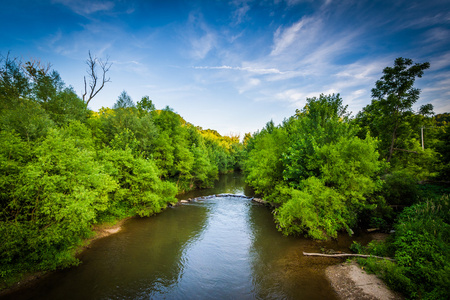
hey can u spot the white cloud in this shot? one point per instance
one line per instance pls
(242, 8)
(250, 83)
(86, 7)
(283, 38)
(259, 71)
(202, 45)
(440, 62)
(201, 37)
(291, 95)
(428, 20)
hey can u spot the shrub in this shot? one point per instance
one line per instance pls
(400, 188)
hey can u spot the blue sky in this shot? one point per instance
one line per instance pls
(234, 65)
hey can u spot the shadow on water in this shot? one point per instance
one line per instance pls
(145, 252)
(220, 248)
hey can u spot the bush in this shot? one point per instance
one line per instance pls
(422, 243)
(422, 252)
(400, 188)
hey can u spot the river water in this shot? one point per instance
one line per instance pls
(219, 248)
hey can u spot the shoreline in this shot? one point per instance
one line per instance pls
(351, 282)
(99, 231)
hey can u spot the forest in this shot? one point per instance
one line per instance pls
(65, 168)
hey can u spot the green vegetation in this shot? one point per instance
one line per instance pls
(326, 172)
(64, 168)
(421, 247)
(319, 173)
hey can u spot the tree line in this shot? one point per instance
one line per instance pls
(64, 167)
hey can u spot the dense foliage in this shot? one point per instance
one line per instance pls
(315, 169)
(421, 247)
(326, 172)
(64, 168)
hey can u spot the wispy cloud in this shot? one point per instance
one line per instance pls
(241, 10)
(202, 45)
(247, 69)
(285, 37)
(427, 20)
(201, 37)
(86, 7)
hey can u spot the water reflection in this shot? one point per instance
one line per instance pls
(279, 267)
(220, 248)
(216, 265)
(232, 183)
(145, 253)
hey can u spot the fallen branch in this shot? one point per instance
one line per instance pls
(346, 255)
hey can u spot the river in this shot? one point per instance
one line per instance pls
(219, 248)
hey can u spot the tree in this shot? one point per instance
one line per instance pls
(124, 101)
(14, 85)
(394, 93)
(145, 105)
(322, 121)
(96, 83)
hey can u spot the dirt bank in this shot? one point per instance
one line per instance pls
(101, 231)
(350, 281)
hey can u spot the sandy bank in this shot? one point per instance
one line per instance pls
(351, 282)
(104, 230)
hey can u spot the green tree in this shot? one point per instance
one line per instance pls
(14, 84)
(393, 97)
(53, 202)
(315, 169)
(322, 121)
(140, 191)
(332, 200)
(263, 165)
(34, 126)
(145, 105)
(123, 101)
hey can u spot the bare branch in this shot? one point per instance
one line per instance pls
(94, 85)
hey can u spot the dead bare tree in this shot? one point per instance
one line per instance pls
(96, 84)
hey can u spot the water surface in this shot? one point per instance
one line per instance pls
(219, 248)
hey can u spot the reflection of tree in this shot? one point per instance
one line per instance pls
(231, 183)
(279, 268)
(158, 246)
(145, 254)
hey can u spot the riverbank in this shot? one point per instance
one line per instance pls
(99, 231)
(103, 230)
(350, 282)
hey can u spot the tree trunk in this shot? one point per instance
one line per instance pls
(346, 255)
